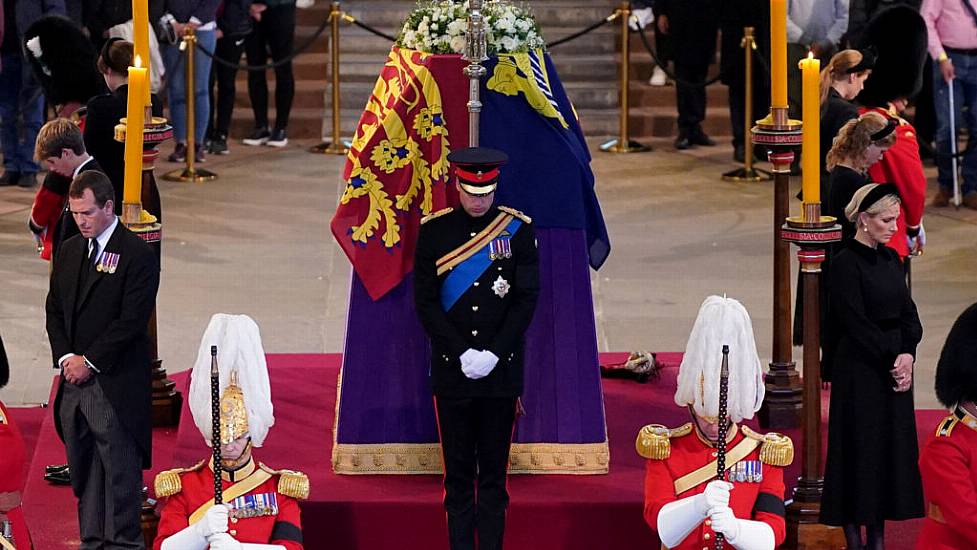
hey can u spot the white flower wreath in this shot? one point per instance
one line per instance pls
(439, 27)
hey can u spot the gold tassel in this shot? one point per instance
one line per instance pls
(168, 483)
(293, 484)
(653, 442)
(777, 450)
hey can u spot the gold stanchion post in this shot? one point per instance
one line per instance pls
(191, 172)
(336, 146)
(623, 143)
(747, 172)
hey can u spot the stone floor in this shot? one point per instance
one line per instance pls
(257, 241)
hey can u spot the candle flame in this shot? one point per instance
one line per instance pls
(137, 62)
(810, 55)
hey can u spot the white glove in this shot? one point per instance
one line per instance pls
(742, 534)
(483, 365)
(467, 359)
(640, 18)
(303, 4)
(194, 537)
(223, 541)
(716, 495)
(920, 238)
(677, 519)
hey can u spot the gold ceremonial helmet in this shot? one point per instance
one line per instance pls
(234, 415)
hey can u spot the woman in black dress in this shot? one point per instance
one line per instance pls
(871, 474)
(841, 81)
(104, 112)
(860, 143)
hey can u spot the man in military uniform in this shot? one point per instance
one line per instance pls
(684, 501)
(948, 462)
(476, 279)
(260, 510)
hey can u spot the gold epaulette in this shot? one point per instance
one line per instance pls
(777, 449)
(290, 483)
(516, 213)
(437, 214)
(946, 426)
(654, 440)
(3, 419)
(168, 481)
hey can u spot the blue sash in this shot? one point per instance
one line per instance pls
(461, 277)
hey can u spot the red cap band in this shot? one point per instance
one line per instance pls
(477, 177)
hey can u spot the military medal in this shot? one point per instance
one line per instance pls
(107, 263)
(500, 248)
(252, 506)
(500, 287)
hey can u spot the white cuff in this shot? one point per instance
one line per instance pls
(62, 360)
(187, 539)
(251, 546)
(753, 535)
(91, 366)
(677, 519)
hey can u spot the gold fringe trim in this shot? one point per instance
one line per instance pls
(653, 442)
(425, 458)
(168, 483)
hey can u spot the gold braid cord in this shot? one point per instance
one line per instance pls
(426, 458)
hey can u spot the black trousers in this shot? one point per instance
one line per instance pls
(737, 104)
(475, 438)
(691, 99)
(274, 34)
(222, 82)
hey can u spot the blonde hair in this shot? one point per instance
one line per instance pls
(837, 69)
(57, 135)
(854, 138)
(876, 208)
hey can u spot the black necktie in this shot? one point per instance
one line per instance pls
(93, 257)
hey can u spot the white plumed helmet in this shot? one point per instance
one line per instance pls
(721, 321)
(243, 377)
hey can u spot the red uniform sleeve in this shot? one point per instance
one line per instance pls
(769, 506)
(12, 457)
(659, 490)
(174, 517)
(947, 482)
(288, 525)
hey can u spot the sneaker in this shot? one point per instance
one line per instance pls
(9, 178)
(658, 77)
(198, 154)
(179, 153)
(258, 137)
(218, 145)
(278, 139)
(942, 198)
(27, 180)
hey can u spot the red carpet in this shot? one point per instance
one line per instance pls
(380, 512)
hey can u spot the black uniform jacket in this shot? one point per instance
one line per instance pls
(106, 320)
(485, 317)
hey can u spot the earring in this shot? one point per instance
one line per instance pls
(865, 228)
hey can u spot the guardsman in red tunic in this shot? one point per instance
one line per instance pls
(898, 36)
(685, 503)
(948, 462)
(12, 456)
(261, 510)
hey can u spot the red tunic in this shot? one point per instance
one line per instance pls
(198, 487)
(901, 165)
(12, 458)
(948, 465)
(763, 501)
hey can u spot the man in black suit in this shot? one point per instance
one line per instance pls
(476, 279)
(103, 289)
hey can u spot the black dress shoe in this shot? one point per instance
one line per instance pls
(59, 478)
(9, 178)
(51, 468)
(700, 138)
(683, 143)
(739, 153)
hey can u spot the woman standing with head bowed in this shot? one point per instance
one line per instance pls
(871, 474)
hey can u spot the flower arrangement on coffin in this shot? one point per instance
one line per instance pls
(438, 27)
